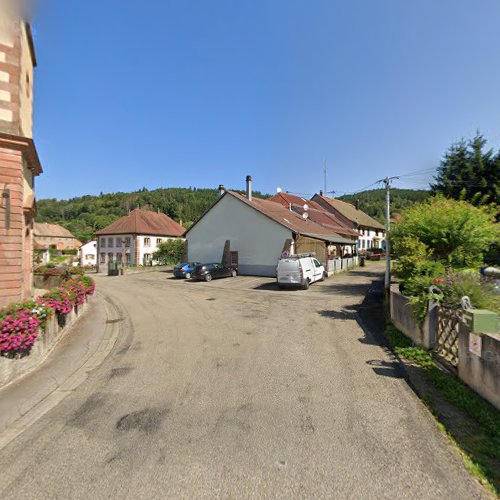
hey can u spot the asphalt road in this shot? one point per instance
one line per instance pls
(233, 389)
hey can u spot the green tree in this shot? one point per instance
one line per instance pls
(169, 252)
(469, 172)
(454, 231)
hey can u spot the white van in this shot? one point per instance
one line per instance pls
(299, 270)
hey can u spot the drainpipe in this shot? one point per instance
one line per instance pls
(249, 187)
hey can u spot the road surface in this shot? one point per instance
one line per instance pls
(233, 389)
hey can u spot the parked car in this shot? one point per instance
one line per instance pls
(299, 270)
(208, 272)
(186, 269)
(375, 253)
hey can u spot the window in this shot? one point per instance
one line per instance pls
(147, 242)
(110, 242)
(127, 242)
(118, 242)
(110, 257)
(91, 257)
(127, 258)
(103, 242)
(148, 257)
(316, 263)
(158, 241)
(103, 258)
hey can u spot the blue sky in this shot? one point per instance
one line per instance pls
(196, 93)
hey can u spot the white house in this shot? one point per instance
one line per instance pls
(371, 232)
(251, 234)
(88, 254)
(134, 238)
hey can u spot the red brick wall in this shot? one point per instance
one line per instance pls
(13, 257)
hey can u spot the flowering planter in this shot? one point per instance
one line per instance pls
(46, 282)
(29, 330)
(14, 368)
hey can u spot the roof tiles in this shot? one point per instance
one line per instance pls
(141, 221)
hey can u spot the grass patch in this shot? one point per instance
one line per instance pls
(479, 442)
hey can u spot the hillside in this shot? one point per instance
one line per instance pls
(373, 202)
(86, 214)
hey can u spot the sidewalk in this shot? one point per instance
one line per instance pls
(84, 347)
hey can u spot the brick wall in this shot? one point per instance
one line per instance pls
(12, 252)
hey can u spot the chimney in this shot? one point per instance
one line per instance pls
(249, 187)
(222, 189)
(357, 204)
(321, 192)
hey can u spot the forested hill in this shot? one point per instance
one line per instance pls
(373, 202)
(86, 214)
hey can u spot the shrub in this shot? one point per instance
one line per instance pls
(457, 232)
(169, 252)
(467, 283)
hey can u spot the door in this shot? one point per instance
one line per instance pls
(234, 260)
(318, 272)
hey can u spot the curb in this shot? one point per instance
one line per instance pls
(39, 409)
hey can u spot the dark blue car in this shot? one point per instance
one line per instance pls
(185, 270)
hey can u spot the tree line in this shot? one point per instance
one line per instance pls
(468, 171)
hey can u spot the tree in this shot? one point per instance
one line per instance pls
(469, 172)
(169, 252)
(455, 232)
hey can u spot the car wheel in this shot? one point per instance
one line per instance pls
(323, 278)
(208, 277)
(306, 284)
(188, 276)
(233, 273)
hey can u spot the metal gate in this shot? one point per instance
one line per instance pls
(448, 327)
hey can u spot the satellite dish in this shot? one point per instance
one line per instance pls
(305, 215)
(278, 190)
(306, 207)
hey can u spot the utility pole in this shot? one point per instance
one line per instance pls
(387, 280)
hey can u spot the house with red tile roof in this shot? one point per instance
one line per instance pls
(371, 232)
(252, 234)
(54, 236)
(134, 238)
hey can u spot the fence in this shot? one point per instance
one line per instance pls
(473, 356)
(336, 266)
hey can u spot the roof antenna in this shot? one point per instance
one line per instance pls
(324, 176)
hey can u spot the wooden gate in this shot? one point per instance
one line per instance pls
(448, 327)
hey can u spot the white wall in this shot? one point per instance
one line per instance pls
(88, 254)
(368, 239)
(110, 251)
(116, 248)
(153, 245)
(258, 239)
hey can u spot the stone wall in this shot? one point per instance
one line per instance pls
(402, 316)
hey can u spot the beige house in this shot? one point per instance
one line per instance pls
(371, 233)
(19, 162)
(54, 236)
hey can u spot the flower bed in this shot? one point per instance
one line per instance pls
(21, 324)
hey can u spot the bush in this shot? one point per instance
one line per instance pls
(169, 252)
(457, 233)
(467, 283)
